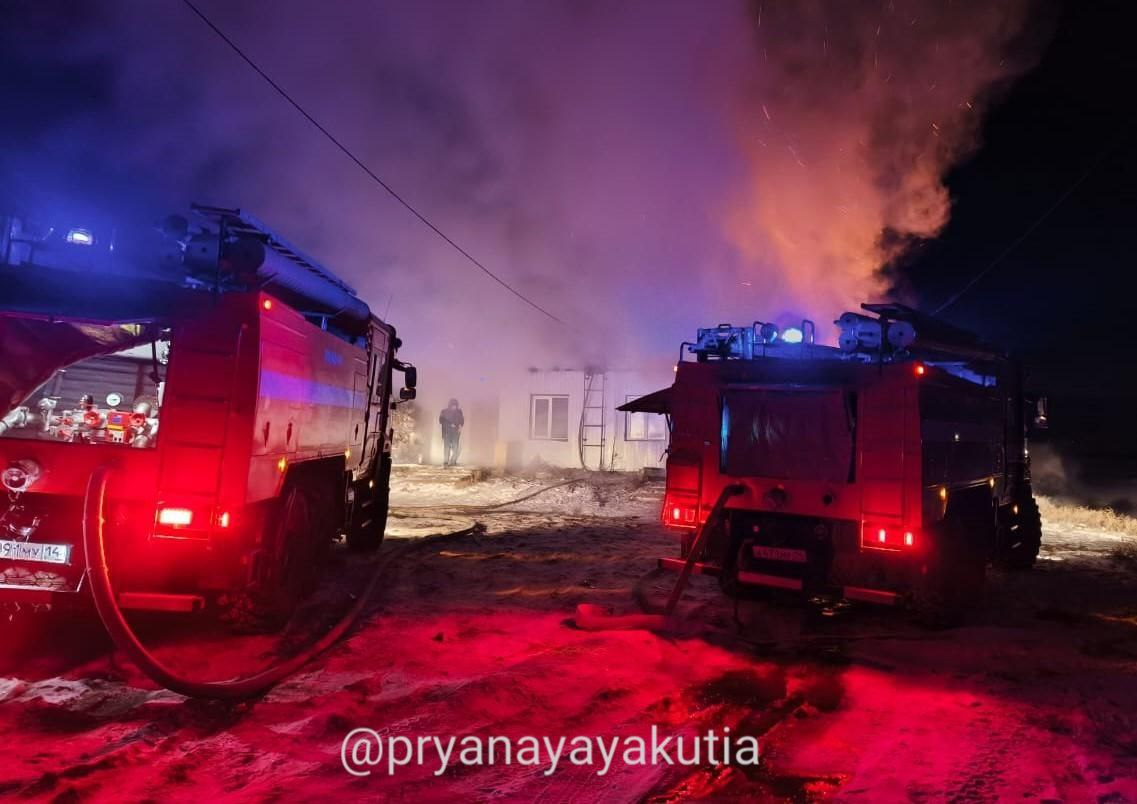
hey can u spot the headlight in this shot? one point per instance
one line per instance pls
(20, 475)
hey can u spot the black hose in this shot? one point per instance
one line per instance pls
(580, 431)
(712, 521)
(489, 507)
(94, 546)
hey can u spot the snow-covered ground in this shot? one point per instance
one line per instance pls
(470, 635)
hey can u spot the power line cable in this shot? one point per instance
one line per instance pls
(375, 177)
(1038, 222)
(1013, 245)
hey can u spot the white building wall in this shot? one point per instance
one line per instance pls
(625, 454)
(517, 448)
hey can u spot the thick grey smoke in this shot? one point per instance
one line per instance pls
(851, 117)
(639, 168)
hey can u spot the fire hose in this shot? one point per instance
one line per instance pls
(106, 604)
(495, 506)
(591, 617)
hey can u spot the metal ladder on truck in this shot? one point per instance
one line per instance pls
(593, 420)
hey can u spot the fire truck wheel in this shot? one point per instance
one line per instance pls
(1020, 537)
(369, 514)
(952, 577)
(290, 556)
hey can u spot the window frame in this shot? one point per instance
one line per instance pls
(548, 436)
(647, 439)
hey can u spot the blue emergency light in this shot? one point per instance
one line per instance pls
(80, 237)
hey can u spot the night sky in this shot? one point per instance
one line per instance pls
(640, 168)
(1064, 297)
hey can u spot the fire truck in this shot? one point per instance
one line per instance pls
(890, 468)
(235, 392)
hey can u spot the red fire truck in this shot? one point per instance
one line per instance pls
(236, 391)
(893, 467)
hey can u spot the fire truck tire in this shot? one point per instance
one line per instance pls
(953, 576)
(1020, 537)
(369, 512)
(291, 554)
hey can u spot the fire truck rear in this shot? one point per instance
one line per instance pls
(235, 392)
(892, 468)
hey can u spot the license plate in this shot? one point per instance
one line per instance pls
(780, 554)
(34, 551)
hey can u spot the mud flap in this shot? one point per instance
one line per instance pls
(953, 576)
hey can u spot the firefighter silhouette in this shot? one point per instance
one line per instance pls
(452, 421)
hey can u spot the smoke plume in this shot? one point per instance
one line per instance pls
(850, 117)
(638, 168)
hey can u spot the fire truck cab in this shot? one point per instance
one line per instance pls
(891, 468)
(237, 392)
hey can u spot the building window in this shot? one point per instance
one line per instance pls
(644, 426)
(548, 417)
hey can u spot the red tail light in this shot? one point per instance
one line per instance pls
(887, 536)
(681, 512)
(190, 523)
(681, 499)
(175, 517)
(683, 516)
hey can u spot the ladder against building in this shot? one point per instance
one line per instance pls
(593, 420)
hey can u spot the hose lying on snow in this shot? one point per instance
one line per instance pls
(495, 506)
(590, 617)
(94, 545)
